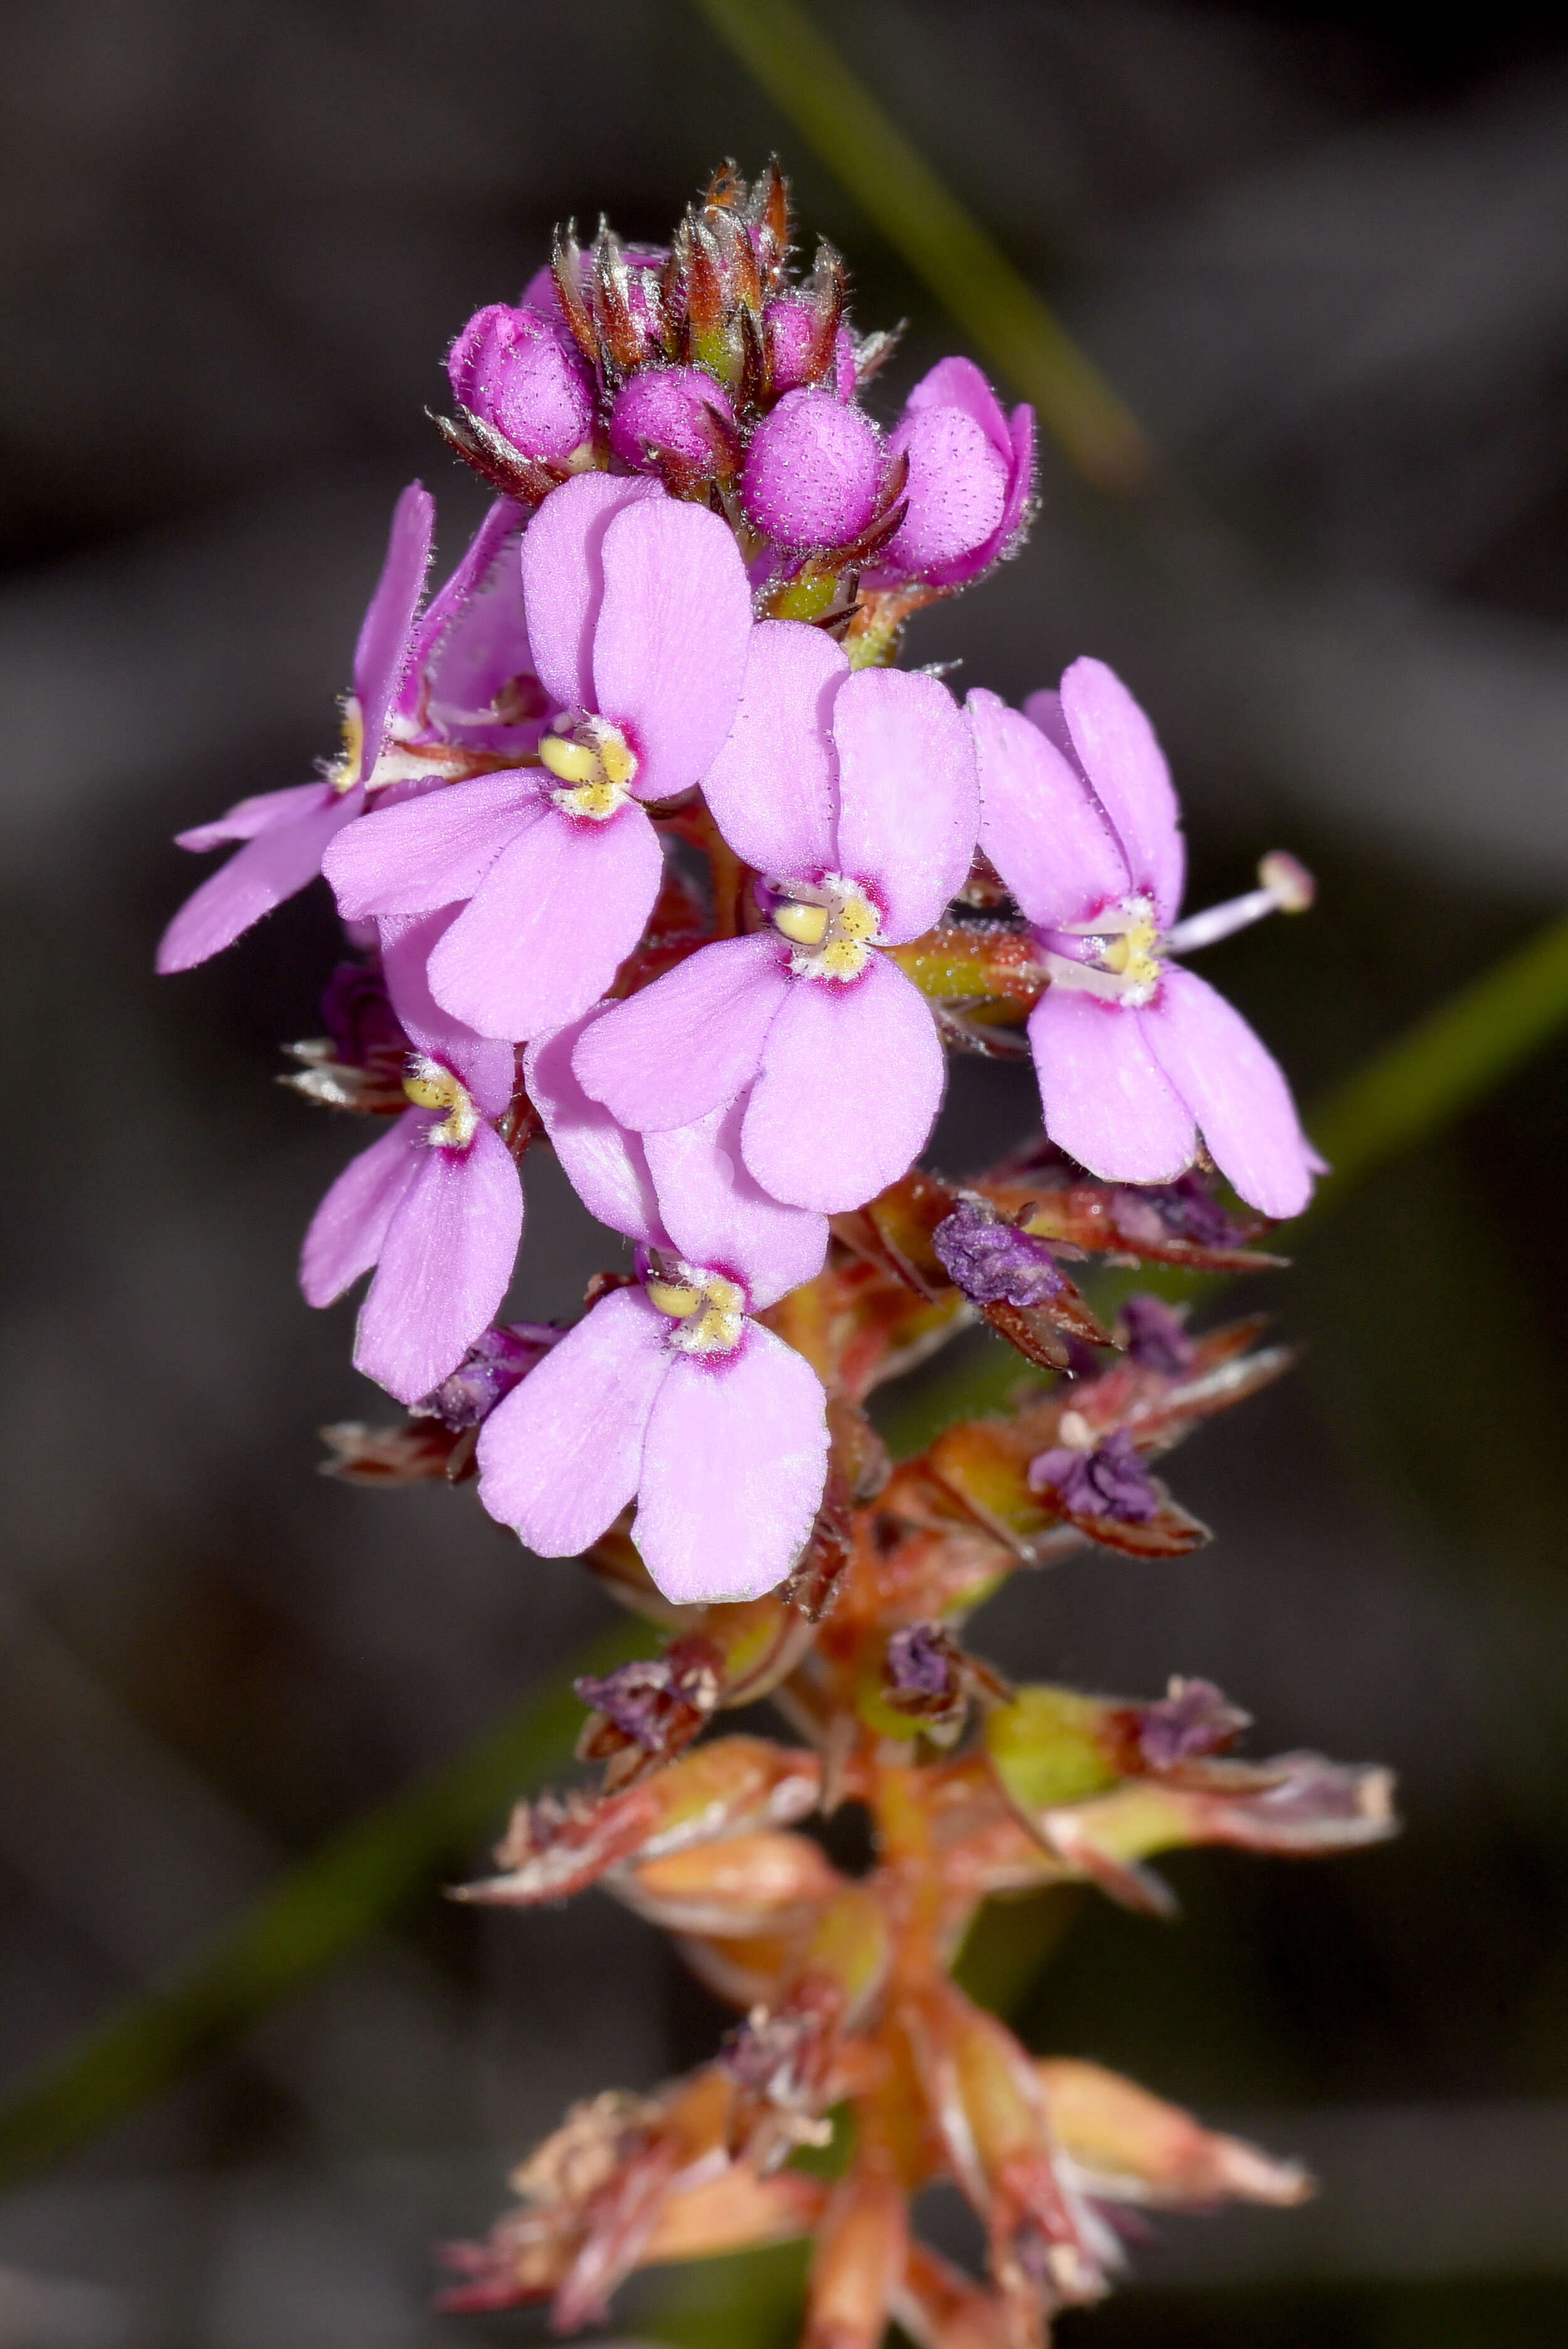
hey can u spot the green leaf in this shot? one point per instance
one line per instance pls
(319, 1911)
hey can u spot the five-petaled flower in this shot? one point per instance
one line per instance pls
(853, 797)
(638, 615)
(1137, 1059)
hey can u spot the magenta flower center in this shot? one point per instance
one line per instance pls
(707, 1309)
(430, 1085)
(831, 924)
(594, 763)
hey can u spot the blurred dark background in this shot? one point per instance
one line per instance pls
(1324, 255)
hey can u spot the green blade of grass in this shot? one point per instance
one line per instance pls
(1438, 1069)
(299, 1928)
(834, 113)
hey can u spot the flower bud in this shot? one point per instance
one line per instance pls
(969, 476)
(512, 371)
(673, 412)
(812, 472)
(794, 327)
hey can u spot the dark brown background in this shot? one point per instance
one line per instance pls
(1326, 258)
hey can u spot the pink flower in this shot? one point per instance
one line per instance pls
(854, 797)
(638, 615)
(433, 695)
(668, 1393)
(1136, 1058)
(435, 1205)
(971, 471)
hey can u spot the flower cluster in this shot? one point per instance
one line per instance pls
(651, 857)
(672, 633)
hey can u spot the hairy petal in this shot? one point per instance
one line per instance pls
(689, 1043)
(551, 923)
(850, 1083)
(381, 656)
(1041, 829)
(348, 1227)
(563, 579)
(669, 650)
(717, 1213)
(909, 806)
(1236, 1089)
(488, 1067)
(771, 788)
(277, 863)
(246, 818)
(605, 1165)
(560, 1458)
(432, 851)
(1131, 781)
(733, 1470)
(1105, 1099)
(446, 1262)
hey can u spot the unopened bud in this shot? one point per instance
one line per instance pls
(812, 472)
(515, 372)
(676, 413)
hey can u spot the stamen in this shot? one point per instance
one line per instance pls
(1287, 888)
(595, 764)
(343, 771)
(707, 1308)
(429, 1085)
(832, 925)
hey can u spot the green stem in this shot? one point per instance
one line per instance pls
(834, 113)
(319, 1911)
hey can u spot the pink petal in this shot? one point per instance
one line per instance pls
(688, 1043)
(959, 383)
(445, 1266)
(472, 643)
(488, 1068)
(771, 788)
(276, 864)
(560, 1458)
(381, 655)
(1107, 1101)
(605, 1165)
(669, 649)
(563, 579)
(1236, 1089)
(717, 1214)
(1042, 830)
(247, 817)
(428, 851)
(1126, 768)
(348, 1227)
(503, 522)
(734, 1464)
(909, 806)
(850, 1083)
(551, 925)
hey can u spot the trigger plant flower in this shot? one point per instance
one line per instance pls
(435, 694)
(853, 797)
(435, 1206)
(638, 615)
(669, 1391)
(1136, 1058)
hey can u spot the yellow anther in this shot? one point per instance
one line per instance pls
(845, 958)
(575, 763)
(617, 757)
(672, 1299)
(803, 926)
(428, 1085)
(858, 919)
(343, 771)
(1131, 953)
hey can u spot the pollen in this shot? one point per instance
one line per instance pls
(831, 924)
(707, 1308)
(594, 764)
(1132, 954)
(343, 771)
(429, 1085)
